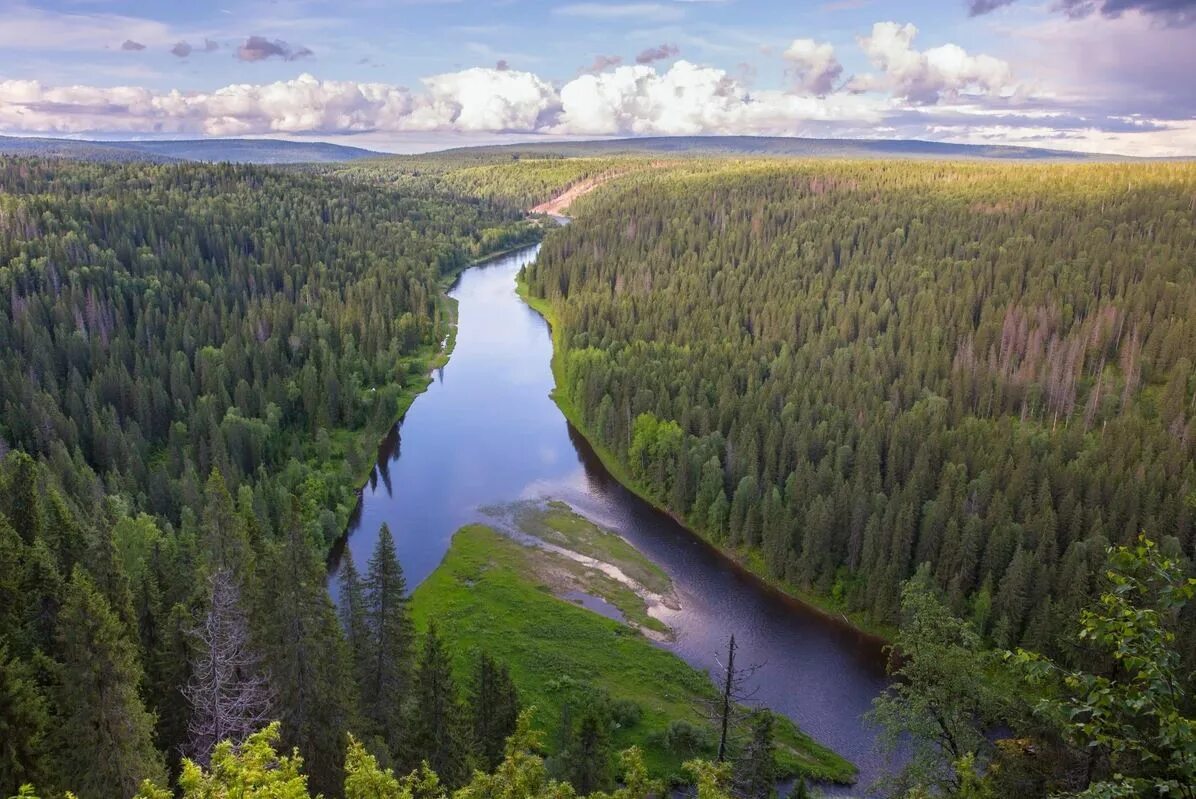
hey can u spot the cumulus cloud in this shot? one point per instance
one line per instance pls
(259, 48)
(814, 65)
(690, 99)
(929, 75)
(131, 45)
(661, 53)
(181, 49)
(1171, 12)
(685, 99)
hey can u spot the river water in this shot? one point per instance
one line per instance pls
(486, 433)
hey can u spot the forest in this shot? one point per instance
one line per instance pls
(844, 370)
(196, 364)
(945, 398)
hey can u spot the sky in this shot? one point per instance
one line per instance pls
(1114, 76)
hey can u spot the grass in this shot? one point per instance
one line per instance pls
(747, 558)
(557, 523)
(491, 593)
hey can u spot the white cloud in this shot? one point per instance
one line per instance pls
(926, 76)
(689, 99)
(815, 66)
(685, 99)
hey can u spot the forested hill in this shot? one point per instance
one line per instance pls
(247, 151)
(196, 365)
(844, 370)
(778, 146)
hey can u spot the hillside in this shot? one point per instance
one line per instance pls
(246, 151)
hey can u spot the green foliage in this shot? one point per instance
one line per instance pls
(493, 709)
(254, 770)
(437, 731)
(96, 694)
(388, 646)
(874, 365)
(755, 771)
(486, 595)
(1135, 714)
(940, 703)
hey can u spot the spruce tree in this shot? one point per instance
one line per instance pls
(305, 654)
(103, 737)
(435, 729)
(755, 771)
(352, 611)
(588, 760)
(24, 726)
(494, 709)
(388, 676)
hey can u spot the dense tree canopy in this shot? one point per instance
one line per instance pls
(848, 369)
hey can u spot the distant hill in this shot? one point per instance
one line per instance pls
(786, 146)
(248, 151)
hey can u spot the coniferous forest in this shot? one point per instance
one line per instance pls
(954, 400)
(846, 370)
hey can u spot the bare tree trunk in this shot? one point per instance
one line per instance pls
(230, 696)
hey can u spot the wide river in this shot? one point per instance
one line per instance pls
(486, 432)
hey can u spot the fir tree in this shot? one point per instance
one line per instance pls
(103, 734)
(494, 709)
(24, 726)
(306, 657)
(435, 730)
(389, 652)
(755, 770)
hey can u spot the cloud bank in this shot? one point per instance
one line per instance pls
(943, 93)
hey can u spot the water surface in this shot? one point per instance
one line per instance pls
(486, 432)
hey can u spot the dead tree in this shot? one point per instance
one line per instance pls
(734, 692)
(229, 693)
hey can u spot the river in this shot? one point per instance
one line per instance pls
(486, 432)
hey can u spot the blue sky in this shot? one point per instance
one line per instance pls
(1105, 75)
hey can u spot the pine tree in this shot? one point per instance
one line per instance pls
(494, 709)
(103, 734)
(388, 677)
(229, 695)
(435, 730)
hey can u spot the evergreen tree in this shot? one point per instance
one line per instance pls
(494, 709)
(588, 758)
(103, 735)
(24, 726)
(755, 770)
(387, 680)
(436, 728)
(306, 657)
(354, 619)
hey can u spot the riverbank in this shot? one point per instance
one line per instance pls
(493, 593)
(747, 560)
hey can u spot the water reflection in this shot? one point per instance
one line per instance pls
(486, 432)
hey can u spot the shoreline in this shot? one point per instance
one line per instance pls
(879, 634)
